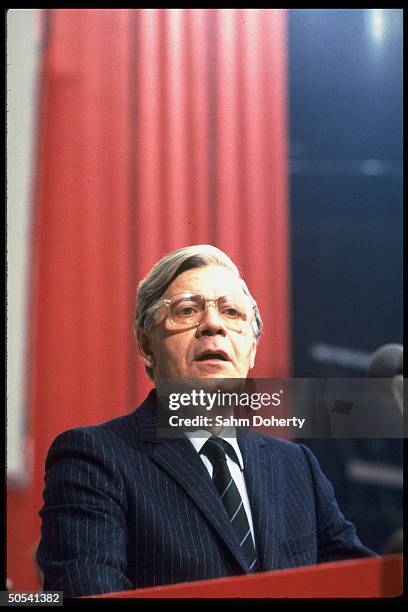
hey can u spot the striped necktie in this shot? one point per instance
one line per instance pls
(215, 449)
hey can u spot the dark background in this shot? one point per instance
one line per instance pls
(345, 115)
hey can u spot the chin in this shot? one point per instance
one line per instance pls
(212, 375)
(210, 370)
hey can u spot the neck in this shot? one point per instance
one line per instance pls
(216, 430)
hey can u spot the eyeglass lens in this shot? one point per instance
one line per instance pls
(188, 309)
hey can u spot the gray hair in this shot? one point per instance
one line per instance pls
(163, 273)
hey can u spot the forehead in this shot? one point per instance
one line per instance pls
(211, 281)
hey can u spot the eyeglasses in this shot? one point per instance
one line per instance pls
(187, 310)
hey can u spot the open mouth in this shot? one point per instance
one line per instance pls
(212, 357)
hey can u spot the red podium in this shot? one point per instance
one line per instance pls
(373, 577)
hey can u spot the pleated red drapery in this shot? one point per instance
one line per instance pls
(158, 129)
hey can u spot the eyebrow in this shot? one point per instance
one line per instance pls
(238, 292)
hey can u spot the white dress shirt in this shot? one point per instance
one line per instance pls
(199, 438)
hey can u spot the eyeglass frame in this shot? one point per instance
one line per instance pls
(167, 302)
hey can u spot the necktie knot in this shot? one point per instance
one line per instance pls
(216, 449)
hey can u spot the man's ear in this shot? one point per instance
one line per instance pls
(145, 347)
(253, 353)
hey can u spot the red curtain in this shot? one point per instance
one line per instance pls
(158, 128)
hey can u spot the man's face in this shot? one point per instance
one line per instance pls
(178, 353)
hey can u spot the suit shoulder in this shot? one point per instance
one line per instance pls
(101, 431)
(124, 427)
(110, 441)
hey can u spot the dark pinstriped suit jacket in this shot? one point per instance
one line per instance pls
(124, 509)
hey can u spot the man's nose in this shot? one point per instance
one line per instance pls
(212, 323)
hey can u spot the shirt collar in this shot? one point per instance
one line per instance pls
(199, 437)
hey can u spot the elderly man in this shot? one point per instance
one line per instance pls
(125, 508)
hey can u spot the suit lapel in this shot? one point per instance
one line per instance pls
(178, 458)
(260, 474)
(181, 462)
